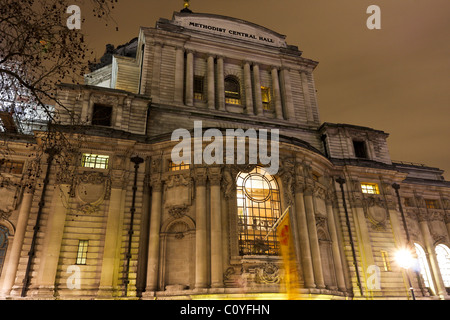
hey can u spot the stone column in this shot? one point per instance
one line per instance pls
(338, 265)
(52, 241)
(257, 90)
(286, 89)
(248, 88)
(305, 257)
(313, 238)
(214, 176)
(431, 255)
(190, 79)
(220, 84)
(201, 229)
(153, 243)
(10, 269)
(111, 251)
(211, 84)
(179, 75)
(277, 93)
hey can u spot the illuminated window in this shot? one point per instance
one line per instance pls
(8, 166)
(424, 267)
(258, 202)
(386, 263)
(360, 149)
(82, 252)
(232, 90)
(370, 188)
(443, 257)
(95, 161)
(266, 98)
(102, 115)
(3, 246)
(198, 87)
(178, 167)
(431, 204)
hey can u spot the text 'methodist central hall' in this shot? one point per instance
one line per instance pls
(122, 220)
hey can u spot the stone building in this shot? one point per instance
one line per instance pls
(115, 218)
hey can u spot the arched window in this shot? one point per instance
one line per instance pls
(258, 201)
(443, 257)
(3, 245)
(424, 267)
(232, 90)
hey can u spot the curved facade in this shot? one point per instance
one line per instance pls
(114, 217)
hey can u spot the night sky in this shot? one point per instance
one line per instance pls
(395, 79)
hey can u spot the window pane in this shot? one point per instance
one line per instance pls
(258, 210)
(370, 188)
(82, 252)
(443, 257)
(424, 267)
(101, 115)
(95, 161)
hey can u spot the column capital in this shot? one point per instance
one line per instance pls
(215, 175)
(200, 176)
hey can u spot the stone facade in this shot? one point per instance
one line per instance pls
(154, 230)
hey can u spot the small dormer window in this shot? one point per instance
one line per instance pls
(102, 115)
(360, 149)
(95, 161)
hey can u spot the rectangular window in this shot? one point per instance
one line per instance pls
(9, 166)
(178, 167)
(432, 204)
(102, 115)
(199, 87)
(95, 161)
(360, 149)
(409, 202)
(370, 188)
(386, 263)
(82, 252)
(266, 98)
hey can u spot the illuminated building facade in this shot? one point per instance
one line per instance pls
(121, 220)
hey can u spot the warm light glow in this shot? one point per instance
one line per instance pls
(404, 258)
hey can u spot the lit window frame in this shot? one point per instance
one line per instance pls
(432, 204)
(11, 166)
(82, 251)
(424, 267)
(369, 188)
(178, 167)
(386, 260)
(443, 257)
(233, 97)
(266, 98)
(95, 161)
(256, 216)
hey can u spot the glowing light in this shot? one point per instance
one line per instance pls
(404, 258)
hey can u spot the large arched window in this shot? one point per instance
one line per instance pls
(424, 267)
(3, 245)
(443, 258)
(258, 201)
(232, 90)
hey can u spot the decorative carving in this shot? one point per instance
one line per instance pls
(92, 187)
(10, 194)
(228, 183)
(215, 175)
(178, 190)
(179, 228)
(178, 211)
(268, 274)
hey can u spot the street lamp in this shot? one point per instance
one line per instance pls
(405, 260)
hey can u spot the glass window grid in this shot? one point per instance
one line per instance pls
(3, 246)
(431, 204)
(82, 252)
(256, 216)
(443, 257)
(95, 161)
(370, 188)
(178, 167)
(232, 91)
(424, 267)
(266, 98)
(11, 166)
(199, 88)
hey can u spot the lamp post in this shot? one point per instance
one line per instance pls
(405, 260)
